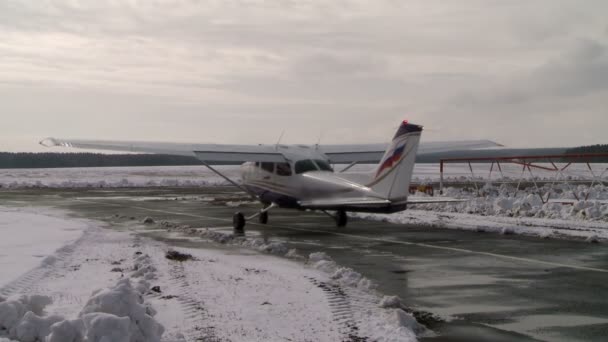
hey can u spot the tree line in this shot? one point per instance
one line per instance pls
(591, 149)
(56, 160)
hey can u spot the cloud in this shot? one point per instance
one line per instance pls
(189, 64)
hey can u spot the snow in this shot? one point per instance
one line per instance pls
(108, 308)
(20, 317)
(507, 210)
(573, 228)
(103, 327)
(374, 321)
(381, 322)
(109, 286)
(29, 235)
(114, 177)
(195, 176)
(390, 302)
(67, 331)
(115, 314)
(34, 328)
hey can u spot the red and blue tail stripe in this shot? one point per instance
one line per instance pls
(391, 160)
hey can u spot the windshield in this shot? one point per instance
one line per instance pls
(305, 166)
(323, 165)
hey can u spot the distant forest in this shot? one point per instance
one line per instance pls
(56, 160)
(588, 149)
(593, 149)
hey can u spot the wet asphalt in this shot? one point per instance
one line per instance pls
(485, 286)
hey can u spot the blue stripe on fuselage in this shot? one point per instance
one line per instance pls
(282, 200)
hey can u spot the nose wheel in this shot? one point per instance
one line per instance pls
(238, 223)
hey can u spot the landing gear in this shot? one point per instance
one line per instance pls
(239, 220)
(341, 218)
(238, 223)
(263, 218)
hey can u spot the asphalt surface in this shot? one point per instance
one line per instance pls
(487, 287)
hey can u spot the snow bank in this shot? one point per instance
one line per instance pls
(109, 309)
(13, 312)
(341, 275)
(507, 211)
(507, 201)
(386, 322)
(34, 328)
(115, 314)
(261, 245)
(67, 331)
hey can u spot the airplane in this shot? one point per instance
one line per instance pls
(301, 176)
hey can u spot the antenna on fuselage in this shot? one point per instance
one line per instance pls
(319, 140)
(279, 141)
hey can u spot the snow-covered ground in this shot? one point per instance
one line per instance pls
(29, 236)
(116, 285)
(506, 210)
(114, 177)
(188, 176)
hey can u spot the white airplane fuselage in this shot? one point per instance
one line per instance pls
(288, 188)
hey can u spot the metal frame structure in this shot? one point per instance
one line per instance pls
(532, 162)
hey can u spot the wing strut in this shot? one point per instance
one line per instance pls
(228, 180)
(349, 166)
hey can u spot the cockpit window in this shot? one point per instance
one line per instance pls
(283, 169)
(269, 167)
(323, 165)
(305, 166)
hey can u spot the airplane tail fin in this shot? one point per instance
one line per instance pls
(394, 174)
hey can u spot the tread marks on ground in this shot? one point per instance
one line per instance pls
(341, 309)
(193, 308)
(61, 260)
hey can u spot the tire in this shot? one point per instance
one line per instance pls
(238, 223)
(341, 218)
(263, 218)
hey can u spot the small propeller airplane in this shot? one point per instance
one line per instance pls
(301, 176)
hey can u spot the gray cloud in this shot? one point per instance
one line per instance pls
(206, 70)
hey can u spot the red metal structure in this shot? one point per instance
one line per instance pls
(532, 162)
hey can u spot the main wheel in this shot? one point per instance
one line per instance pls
(238, 222)
(341, 218)
(263, 218)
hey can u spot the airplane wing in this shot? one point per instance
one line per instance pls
(220, 154)
(372, 153)
(211, 153)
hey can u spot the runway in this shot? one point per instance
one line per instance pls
(487, 287)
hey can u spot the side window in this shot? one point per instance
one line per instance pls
(283, 169)
(305, 166)
(269, 167)
(323, 165)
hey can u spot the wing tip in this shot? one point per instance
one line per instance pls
(49, 142)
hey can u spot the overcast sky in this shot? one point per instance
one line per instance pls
(521, 72)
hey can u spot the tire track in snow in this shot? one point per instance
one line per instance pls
(341, 309)
(193, 308)
(53, 264)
